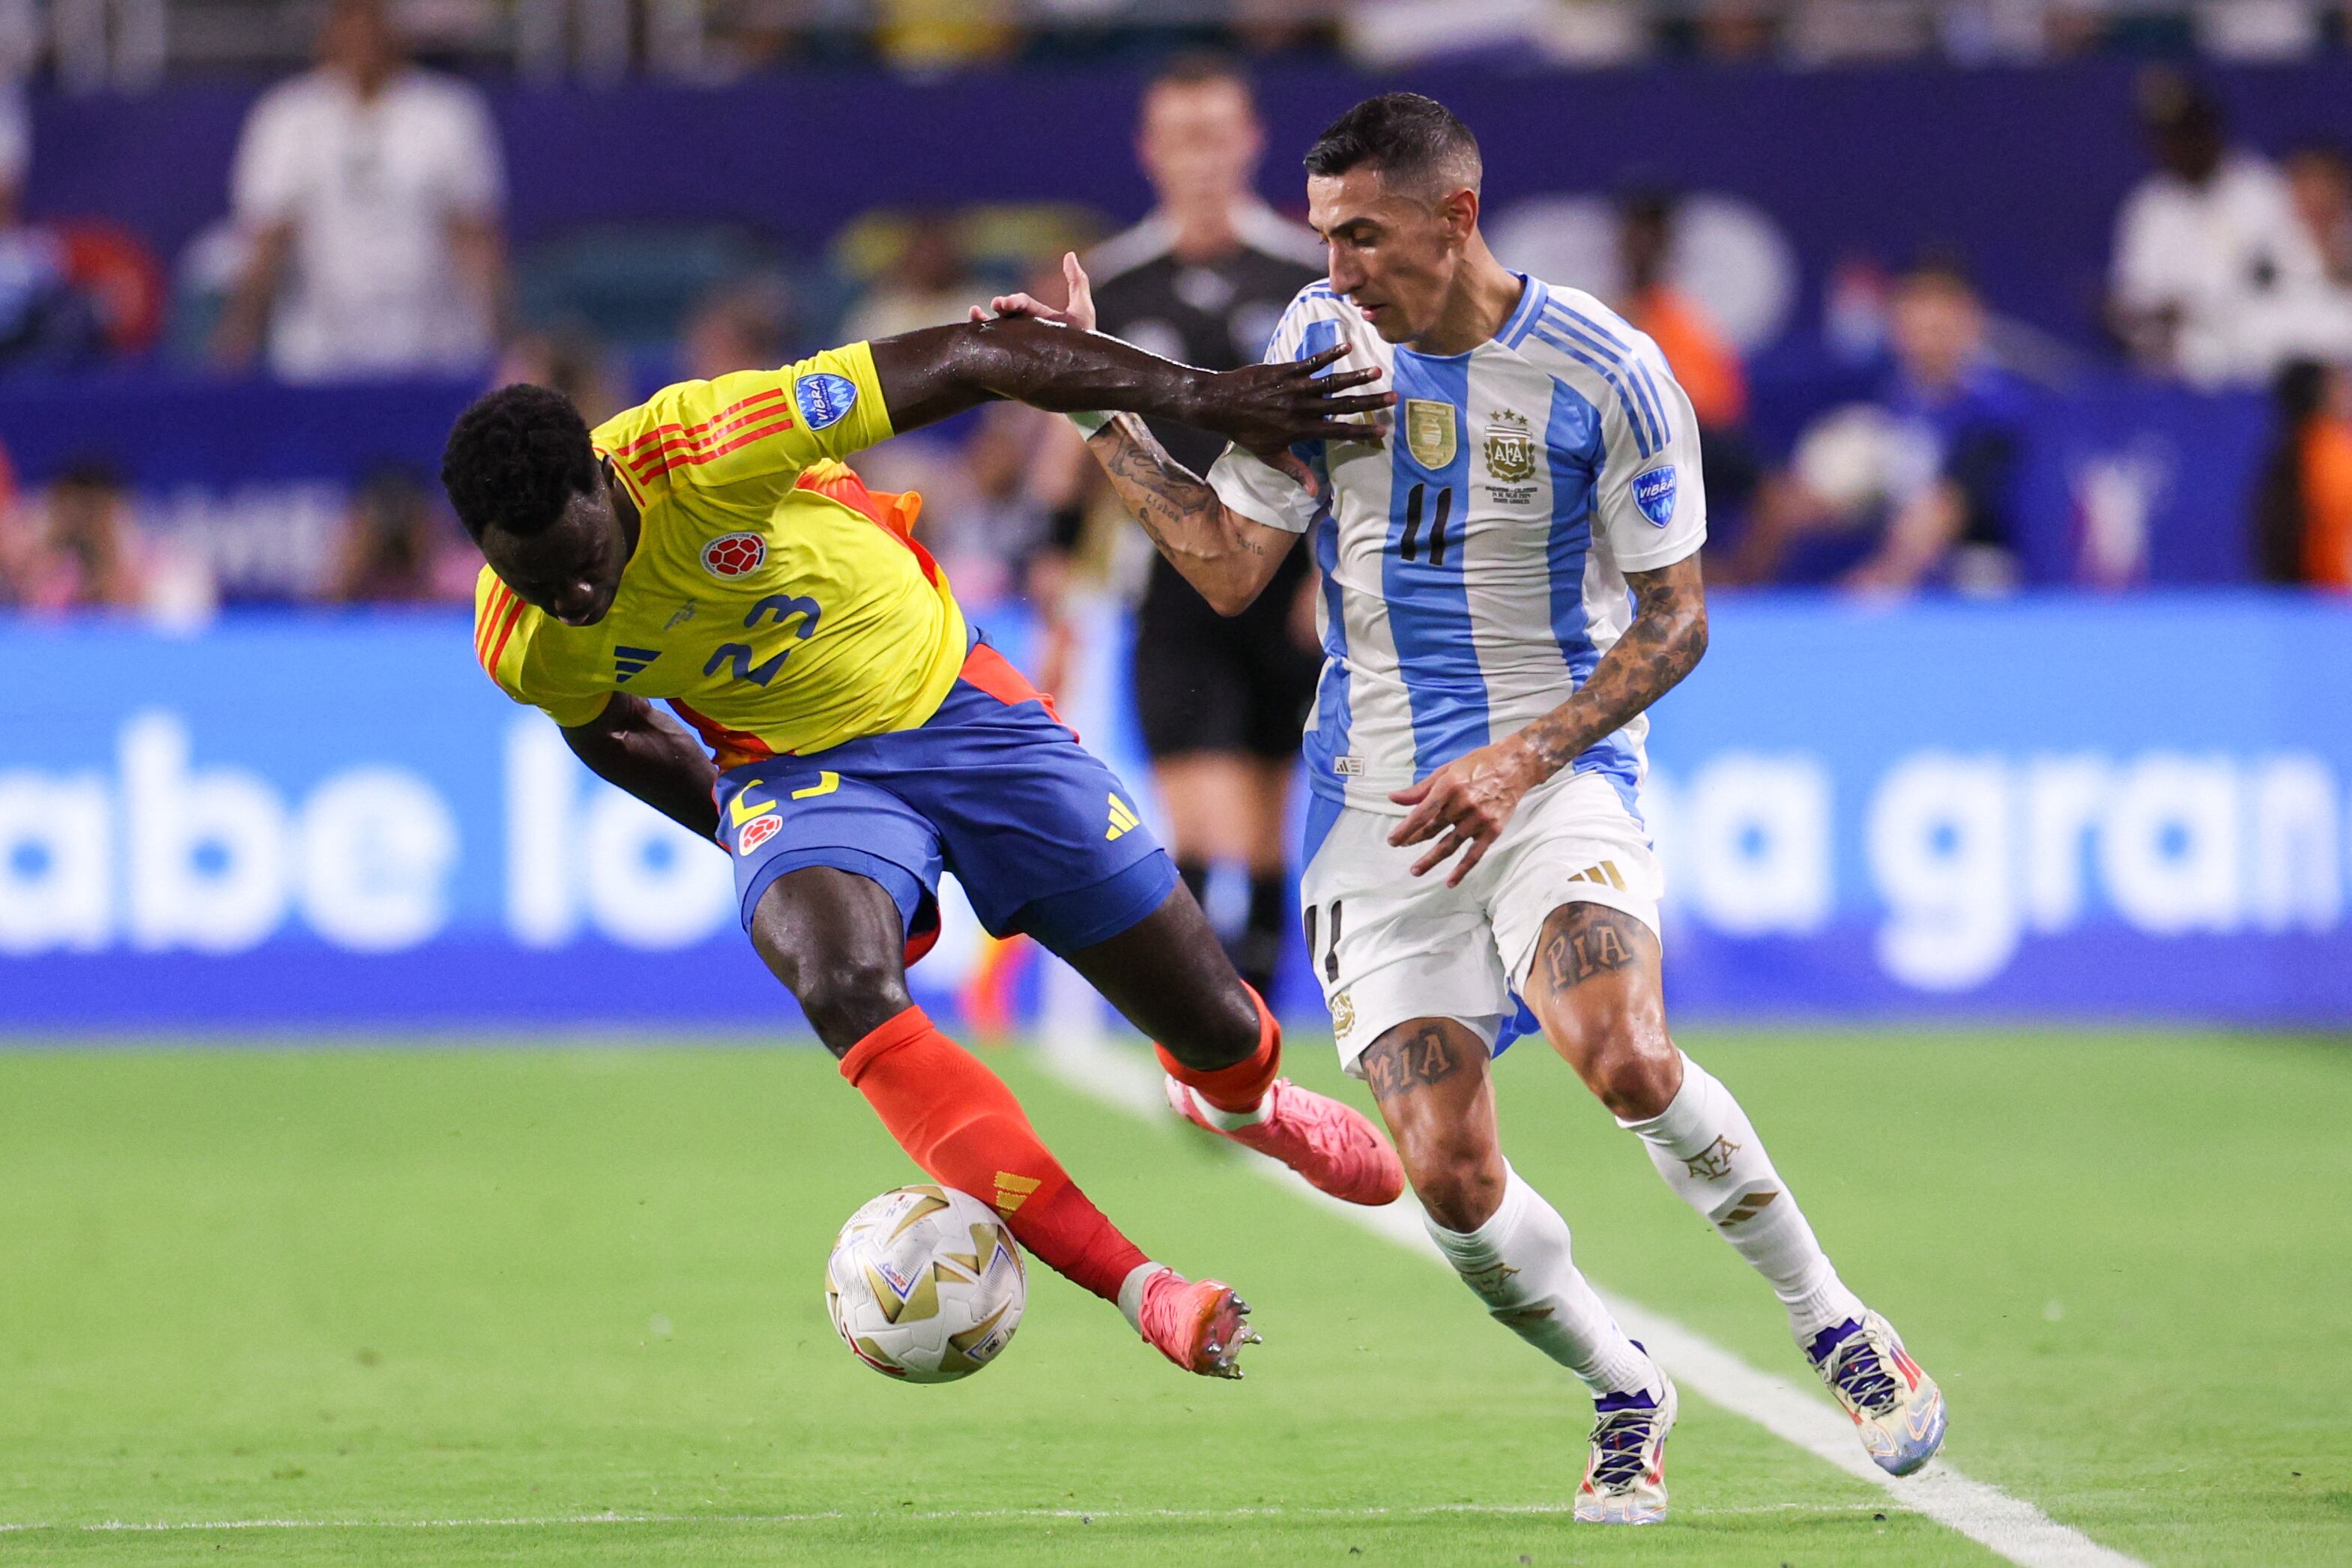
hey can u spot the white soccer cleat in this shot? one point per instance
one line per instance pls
(1897, 1408)
(1625, 1478)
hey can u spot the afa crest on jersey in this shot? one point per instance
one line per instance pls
(1654, 492)
(734, 555)
(826, 399)
(1510, 448)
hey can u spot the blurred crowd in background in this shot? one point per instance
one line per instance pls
(363, 235)
(135, 42)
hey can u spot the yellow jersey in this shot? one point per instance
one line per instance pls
(773, 600)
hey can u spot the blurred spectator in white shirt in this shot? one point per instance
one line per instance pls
(2208, 251)
(2257, 30)
(1385, 34)
(370, 194)
(2315, 322)
(2319, 183)
(1842, 32)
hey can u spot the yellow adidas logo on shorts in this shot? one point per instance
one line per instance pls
(1122, 819)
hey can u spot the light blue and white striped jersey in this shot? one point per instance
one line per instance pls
(1473, 565)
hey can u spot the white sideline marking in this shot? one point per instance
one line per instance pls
(565, 1520)
(1984, 1514)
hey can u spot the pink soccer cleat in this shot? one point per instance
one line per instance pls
(1198, 1324)
(1335, 1147)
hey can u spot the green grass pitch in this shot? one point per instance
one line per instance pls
(382, 1296)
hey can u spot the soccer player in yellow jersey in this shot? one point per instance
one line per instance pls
(858, 737)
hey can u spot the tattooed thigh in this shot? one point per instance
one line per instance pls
(1418, 1055)
(1583, 942)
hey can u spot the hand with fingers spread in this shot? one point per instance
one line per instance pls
(1263, 409)
(1469, 801)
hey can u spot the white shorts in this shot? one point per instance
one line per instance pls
(1389, 946)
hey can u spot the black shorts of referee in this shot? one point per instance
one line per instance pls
(1208, 683)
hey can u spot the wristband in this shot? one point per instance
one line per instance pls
(1089, 421)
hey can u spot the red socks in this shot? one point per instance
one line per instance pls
(1240, 1086)
(961, 1124)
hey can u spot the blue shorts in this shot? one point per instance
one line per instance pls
(993, 787)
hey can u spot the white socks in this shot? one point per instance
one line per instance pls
(1130, 1293)
(1703, 1145)
(1518, 1263)
(1228, 1120)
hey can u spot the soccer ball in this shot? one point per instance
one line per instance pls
(925, 1284)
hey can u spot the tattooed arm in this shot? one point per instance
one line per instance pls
(1227, 557)
(1666, 639)
(1470, 799)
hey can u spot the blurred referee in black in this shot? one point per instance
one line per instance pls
(1204, 280)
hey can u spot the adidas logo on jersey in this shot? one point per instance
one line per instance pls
(627, 662)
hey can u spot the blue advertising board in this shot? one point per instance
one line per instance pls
(2060, 808)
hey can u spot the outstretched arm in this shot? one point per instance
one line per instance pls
(943, 371)
(631, 745)
(1470, 799)
(1227, 557)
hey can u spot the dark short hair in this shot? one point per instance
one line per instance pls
(89, 471)
(2173, 104)
(1408, 138)
(1646, 201)
(1939, 262)
(1195, 66)
(515, 459)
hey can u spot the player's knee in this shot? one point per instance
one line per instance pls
(1633, 1070)
(1223, 1031)
(1458, 1178)
(848, 997)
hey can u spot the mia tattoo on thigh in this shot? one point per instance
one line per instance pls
(1399, 1063)
(1596, 940)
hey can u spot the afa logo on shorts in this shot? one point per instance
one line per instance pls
(825, 398)
(757, 832)
(1654, 492)
(733, 555)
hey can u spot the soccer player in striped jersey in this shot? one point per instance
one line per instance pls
(1511, 577)
(709, 548)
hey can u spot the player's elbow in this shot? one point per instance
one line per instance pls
(1230, 598)
(607, 734)
(1694, 636)
(1238, 574)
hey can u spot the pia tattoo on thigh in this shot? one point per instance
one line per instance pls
(1596, 941)
(1398, 1065)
